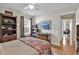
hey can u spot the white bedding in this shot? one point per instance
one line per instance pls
(16, 47)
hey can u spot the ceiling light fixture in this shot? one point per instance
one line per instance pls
(31, 7)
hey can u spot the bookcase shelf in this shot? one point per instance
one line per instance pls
(34, 30)
(7, 28)
(8, 24)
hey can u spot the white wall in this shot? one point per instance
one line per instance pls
(77, 17)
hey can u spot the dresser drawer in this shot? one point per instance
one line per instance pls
(42, 36)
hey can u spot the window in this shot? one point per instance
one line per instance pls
(27, 26)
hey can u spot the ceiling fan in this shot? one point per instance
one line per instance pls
(32, 7)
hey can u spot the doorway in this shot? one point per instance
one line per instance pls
(77, 39)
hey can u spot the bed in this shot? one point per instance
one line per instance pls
(25, 46)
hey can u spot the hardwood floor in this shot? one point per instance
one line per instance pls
(63, 50)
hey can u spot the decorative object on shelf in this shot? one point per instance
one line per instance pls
(8, 37)
(3, 27)
(5, 37)
(6, 21)
(9, 28)
(14, 34)
(11, 21)
(9, 13)
(12, 37)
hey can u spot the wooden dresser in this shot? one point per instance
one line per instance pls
(46, 37)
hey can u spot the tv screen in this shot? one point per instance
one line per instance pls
(45, 25)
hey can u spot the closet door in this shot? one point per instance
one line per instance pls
(21, 26)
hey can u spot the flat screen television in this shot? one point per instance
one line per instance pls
(45, 25)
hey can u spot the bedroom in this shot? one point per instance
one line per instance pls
(39, 29)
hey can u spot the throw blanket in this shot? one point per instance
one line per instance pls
(43, 47)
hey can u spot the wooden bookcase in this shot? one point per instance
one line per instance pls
(7, 28)
(34, 30)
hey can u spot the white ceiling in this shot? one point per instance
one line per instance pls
(43, 7)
